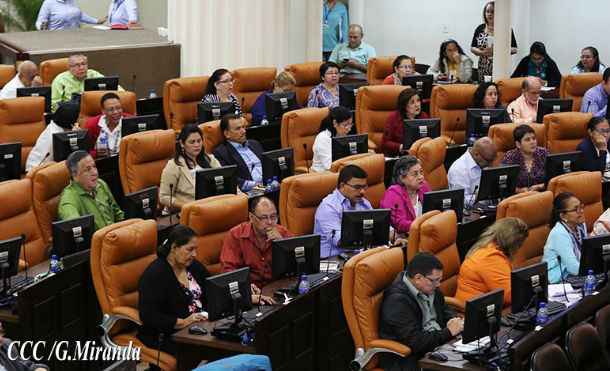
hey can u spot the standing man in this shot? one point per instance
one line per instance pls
(105, 128)
(123, 12)
(353, 56)
(27, 75)
(595, 100)
(524, 109)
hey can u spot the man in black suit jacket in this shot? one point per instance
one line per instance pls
(238, 150)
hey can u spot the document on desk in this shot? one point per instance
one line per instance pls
(101, 27)
(547, 88)
(555, 292)
(458, 346)
(330, 266)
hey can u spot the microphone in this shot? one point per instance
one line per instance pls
(160, 340)
(588, 105)
(561, 276)
(171, 191)
(468, 205)
(330, 253)
(243, 100)
(315, 99)
(45, 157)
(63, 90)
(171, 120)
(457, 121)
(512, 114)
(263, 285)
(395, 212)
(133, 83)
(24, 257)
(306, 162)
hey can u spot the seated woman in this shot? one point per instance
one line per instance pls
(405, 198)
(565, 240)
(530, 158)
(487, 96)
(539, 64)
(282, 83)
(403, 66)
(408, 107)
(488, 263)
(178, 177)
(589, 62)
(220, 89)
(594, 148)
(326, 93)
(452, 64)
(338, 123)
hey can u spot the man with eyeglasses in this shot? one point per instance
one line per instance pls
(525, 108)
(353, 56)
(10, 357)
(248, 244)
(414, 313)
(595, 100)
(105, 128)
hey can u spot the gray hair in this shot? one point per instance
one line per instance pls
(75, 55)
(352, 26)
(73, 160)
(402, 167)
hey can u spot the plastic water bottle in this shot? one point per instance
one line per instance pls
(55, 265)
(543, 315)
(153, 94)
(264, 121)
(590, 283)
(304, 285)
(356, 252)
(269, 186)
(471, 140)
(275, 184)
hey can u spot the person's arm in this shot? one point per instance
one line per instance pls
(312, 99)
(90, 126)
(40, 150)
(465, 69)
(67, 208)
(344, 25)
(58, 91)
(495, 272)
(521, 69)
(44, 15)
(329, 220)
(258, 110)
(152, 294)
(322, 149)
(474, 45)
(84, 18)
(513, 43)
(515, 114)
(131, 8)
(562, 244)
(552, 74)
(459, 179)
(388, 141)
(435, 69)
(230, 255)
(399, 219)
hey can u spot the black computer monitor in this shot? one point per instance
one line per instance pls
(228, 294)
(152, 106)
(482, 318)
(9, 261)
(102, 83)
(295, 256)
(365, 228)
(413, 130)
(448, 199)
(72, 235)
(478, 120)
(279, 163)
(136, 124)
(595, 255)
(546, 106)
(215, 181)
(142, 204)
(37, 91)
(348, 93)
(68, 142)
(10, 161)
(213, 111)
(561, 163)
(349, 145)
(421, 83)
(277, 104)
(528, 287)
(498, 182)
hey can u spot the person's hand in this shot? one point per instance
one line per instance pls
(76, 126)
(37, 81)
(537, 187)
(543, 82)
(273, 234)
(254, 290)
(521, 189)
(400, 148)
(488, 52)
(600, 141)
(442, 77)
(455, 325)
(343, 63)
(457, 59)
(102, 20)
(371, 151)
(195, 317)
(262, 299)
(400, 242)
(103, 152)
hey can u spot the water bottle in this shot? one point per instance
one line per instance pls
(304, 285)
(590, 283)
(55, 265)
(471, 140)
(356, 252)
(153, 94)
(264, 121)
(269, 186)
(275, 184)
(543, 315)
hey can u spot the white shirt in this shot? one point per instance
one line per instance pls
(322, 152)
(122, 11)
(114, 137)
(193, 172)
(43, 146)
(418, 208)
(465, 174)
(10, 89)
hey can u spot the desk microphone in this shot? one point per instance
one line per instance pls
(561, 276)
(467, 209)
(63, 90)
(457, 121)
(45, 157)
(315, 99)
(306, 162)
(588, 105)
(24, 257)
(243, 100)
(171, 191)
(395, 213)
(330, 253)
(160, 340)
(512, 114)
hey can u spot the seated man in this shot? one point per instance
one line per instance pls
(238, 150)
(105, 128)
(248, 244)
(86, 194)
(465, 172)
(353, 56)
(11, 357)
(27, 75)
(595, 100)
(525, 108)
(414, 313)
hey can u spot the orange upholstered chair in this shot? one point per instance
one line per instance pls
(374, 165)
(373, 106)
(502, 135)
(249, 84)
(180, 98)
(587, 187)
(565, 130)
(212, 218)
(448, 103)
(90, 105)
(378, 69)
(51, 68)
(22, 120)
(431, 153)
(306, 75)
(7, 72)
(574, 86)
(534, 208)
(301, 127)
(509, 89)
(212, 135)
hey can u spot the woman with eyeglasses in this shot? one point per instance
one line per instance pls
(408, 107)
(594, 149)
(540, 65)
(452, 64)
(488, 263)
(568, 229)
(338, 123)
(220, 89)
(589, 61)
(403, 66)
(326, 93)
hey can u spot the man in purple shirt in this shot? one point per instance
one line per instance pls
(595, 100)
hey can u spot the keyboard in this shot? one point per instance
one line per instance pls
(318, 278)
(553, 307)
(508, 337)
(251, 315)
(579, 281)
(18, 283)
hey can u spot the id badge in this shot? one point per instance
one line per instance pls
(325, 26)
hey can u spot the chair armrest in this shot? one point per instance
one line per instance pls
(392, 346)
(455, 303)
(372, 145)
(132, 313)
(108, 321)
(378, 346)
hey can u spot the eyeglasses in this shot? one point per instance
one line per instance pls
(228, 81)
(81, 64)
(578, 209)
(534, 92)
(265, 218)
(586, 57)
(347, 126)
(434, 281)
(603, 131)
(332, 73)
(405, 67)
(114, 109)
(88, 169)
(358, 187)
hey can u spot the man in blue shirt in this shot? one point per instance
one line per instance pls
(353, 56)
(595, 100)
(238, 150)
(123, 12)
(62, 14)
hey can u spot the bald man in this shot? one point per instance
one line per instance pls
(353, 56)
(27, 75)
(525, 108)
(465, 173)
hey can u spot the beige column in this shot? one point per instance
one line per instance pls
(356, 12)
(313, 27)
(502, 22)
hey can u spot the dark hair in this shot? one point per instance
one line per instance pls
(403, 100)
(520, 132)
(349, 172)
(210, 88)
(595, 67)
(339, 114)
(202, 159)
(559, 206)
(107, 96)
(73, 160)
(226, 120)
(485, 7)
(479, 94)
(180, 235)
(254, 201)
(539, 48)
(423, 263)
(606, 75)
(594, 121)
(325, 66)
(399, 60)
(402, 167)
(66, 114)
(442, 56)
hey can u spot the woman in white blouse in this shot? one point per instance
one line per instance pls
(338, 123)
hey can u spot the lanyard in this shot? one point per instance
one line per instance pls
(326, 13)
(116, 7)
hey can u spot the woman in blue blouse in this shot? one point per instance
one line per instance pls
(326, 93)
(62, 14)
(334, 26)
(589, 61)
(220, 89)
(565, 240)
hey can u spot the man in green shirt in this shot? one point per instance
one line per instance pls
(87, 194)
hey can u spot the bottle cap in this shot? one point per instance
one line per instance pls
(274, 177)
(590, 272)
(356, 252)
(152, 90)
(542, 304)
(268, 180)
(304, 277)
(53, 257)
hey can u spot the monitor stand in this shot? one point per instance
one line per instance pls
(235, 330)
(6, 280)
(488, 354)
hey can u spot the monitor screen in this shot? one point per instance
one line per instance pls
(295, 256)
(413, 130)
(10, 161)
(365, 228)
(10, 250)
(72, 235)
(229, 291)
(215, 181)
(445, 200)
(348, 93)
(349, 145)
(142, 204)
(37, 91)
(479, 311)
(498, 182)
(136, 124)
(213, 111)
(528, 287)
(279, 163)
(546, 106)
(102, 83)
(478, 120)
(152, 106)
(277, 104)
(68, 142)
(561, 163)
(421, 83)
(595, 253)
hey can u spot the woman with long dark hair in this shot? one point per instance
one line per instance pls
(452, 64)
(487, 96)
(589, 61)
(220, 89)
(540, 65)
(338, 123)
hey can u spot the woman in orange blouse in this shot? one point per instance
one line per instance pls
(488, 263)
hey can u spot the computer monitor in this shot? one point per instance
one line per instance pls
(10, 161)
(215, 181)
(546, 106)
(498, 182)
(348, 93)
(478, 120)
(413, 130)
(142, 204)
(213, 111)
(448, 199)
(72, 235)
(102, 83)
(528, 287)
(482, 319)
(295, 256)
(69, 141)
(277, 104)
(421, 83)
(136, 124)
(9, 261)
(595, 255)
(349, 145)
(228, 294)
(279, 163)
(561, 163)
(365, 228)
(37, 91)
(152, 106)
